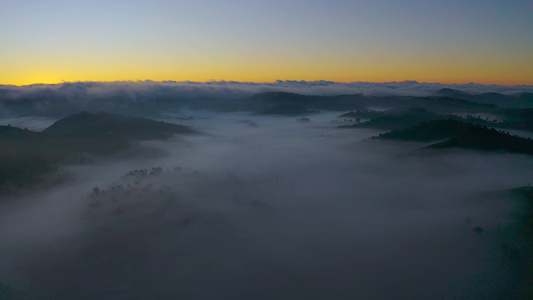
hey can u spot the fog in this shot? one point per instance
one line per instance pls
(33, 123)
(142, 97)
(269, 208)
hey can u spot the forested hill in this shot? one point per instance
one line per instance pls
(521, 100)
(458, 134)
(26, 155)
(101, 124)
(401, 120)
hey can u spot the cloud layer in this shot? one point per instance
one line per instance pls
(144, 97)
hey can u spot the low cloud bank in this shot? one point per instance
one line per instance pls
(118, 96)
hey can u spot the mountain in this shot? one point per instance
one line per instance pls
(458, 134)
(26, 156)
(101, 124)
(453, 93)
(516, 114)
(14, 133)
(23, 159)
(451, 104)
(282, 101)
(521, 100)
(525, 98)
(400, 120)
(461, 103)
(515, 118)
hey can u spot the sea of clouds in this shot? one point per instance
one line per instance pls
(149, 97)
(276, 210)
(233, 89)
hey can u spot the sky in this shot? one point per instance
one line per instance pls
(451, 41)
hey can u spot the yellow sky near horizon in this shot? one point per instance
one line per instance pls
(343, 41)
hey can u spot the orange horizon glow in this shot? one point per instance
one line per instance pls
(348, 42)
(54, 70)
(269, 71)
(444, 82)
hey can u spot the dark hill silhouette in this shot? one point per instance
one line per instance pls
(440, 104)
(516, 114)
(526, 97)
(15, 133)
(453, 104)
(457, 134)
(280, 101)
(521, 100)
(103, 124)
(400, 120)
(452, 93)
(451, 101)
(515, 118)
(25, 155)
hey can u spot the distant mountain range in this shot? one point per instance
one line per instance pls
(448, 100)
(25, 154)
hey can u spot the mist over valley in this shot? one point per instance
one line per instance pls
(273, 195)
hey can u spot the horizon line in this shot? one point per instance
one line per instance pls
(278, 81)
